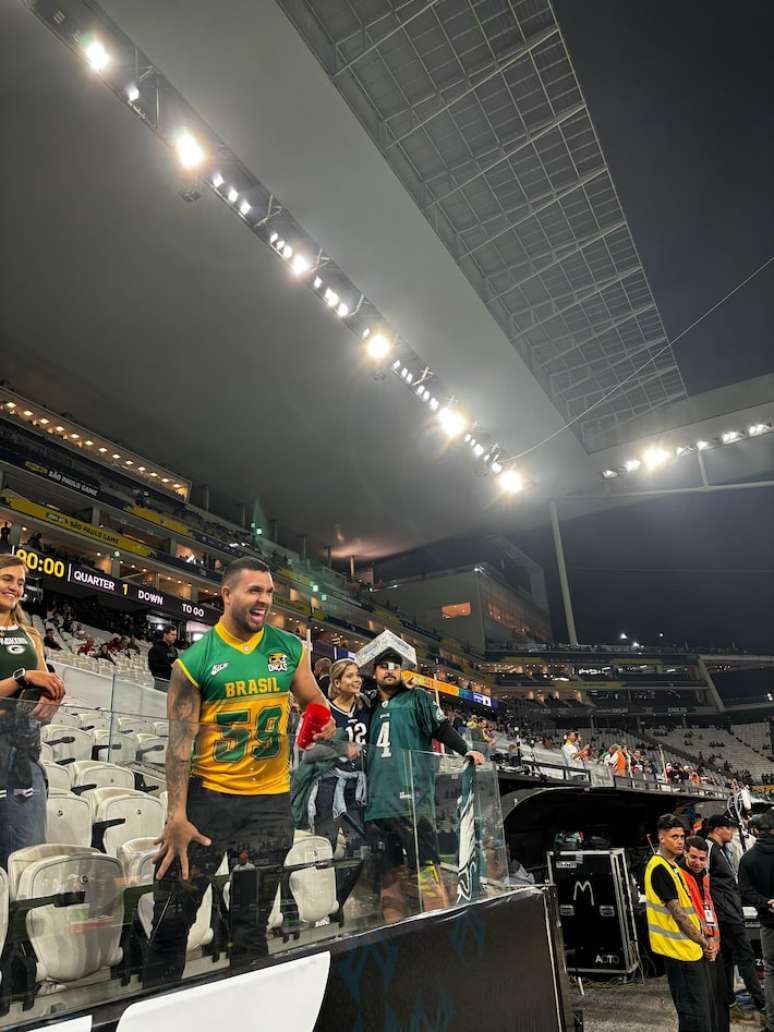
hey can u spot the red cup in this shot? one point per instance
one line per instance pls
(313, 720)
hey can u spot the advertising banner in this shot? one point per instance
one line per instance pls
(75, 526)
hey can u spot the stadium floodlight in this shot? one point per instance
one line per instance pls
(730, 436)
(701, 445)
(681, 449)
(378, 347)
(287, 251)
(609, 474)
(317, 283)
(300, 265)
(43, 421)
(189, 150)
(403, 373)
(635, 644)
(217, 180)
(511, 481)
(396, 364)
(343, 310)
(496, 468)
(244, 207)
(632, 465)
(434, 403)
(452, 422)
(274, 236)
(655, 457)
(366, 333)
(623, 636)
(467, 438)
(233, 195)
(478, 450)
(132, 92)
(97, 56)
(757, 429)
(331, 297)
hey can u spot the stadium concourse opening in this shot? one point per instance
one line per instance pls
(384, 580)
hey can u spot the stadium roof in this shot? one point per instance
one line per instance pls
(169, 326)
(477, 108)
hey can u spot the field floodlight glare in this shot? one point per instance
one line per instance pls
(97, 56)
(378, 347)
(511, 481)
(189, 150)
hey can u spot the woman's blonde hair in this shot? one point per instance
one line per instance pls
(17, 613)
(336, 673)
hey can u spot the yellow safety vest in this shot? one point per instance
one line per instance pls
(665, 936)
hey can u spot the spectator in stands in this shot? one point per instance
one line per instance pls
(322, 674)
(23, 673)
(694, 864)
(103, 652)
(87, 649)
(132, 646)
(34, 541)
(574, 754)
(756, 886)
(674, 929)
(328, 788)
(161, 655)
(50, 641)
(219, 808)
(5, 539)
(735, 947)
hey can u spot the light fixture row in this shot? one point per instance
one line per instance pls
(77, 437)
(657, 456)
(207, 164)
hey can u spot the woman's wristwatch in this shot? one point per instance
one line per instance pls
(20, 676)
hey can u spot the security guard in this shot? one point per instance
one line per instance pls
(674, 929)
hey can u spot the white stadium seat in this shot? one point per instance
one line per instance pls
(68, 819)
(150, 749)
(138, 814)
(98, 774)
(313, 890)
(70, 942)
(67, 743)
(58, 777)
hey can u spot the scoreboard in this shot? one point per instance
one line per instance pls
(66, 572)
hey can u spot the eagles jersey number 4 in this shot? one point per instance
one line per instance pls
(242, 744)
(400, 760)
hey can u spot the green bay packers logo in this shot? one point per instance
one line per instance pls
(278, 662)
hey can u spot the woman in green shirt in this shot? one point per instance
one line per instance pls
(22, 673)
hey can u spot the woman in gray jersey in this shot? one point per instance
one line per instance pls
(22, 673)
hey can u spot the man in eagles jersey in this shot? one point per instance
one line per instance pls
(228, 705)
(404, 723)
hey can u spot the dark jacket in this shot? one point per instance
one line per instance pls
(756, 879)
(723, 887)
(160, 659)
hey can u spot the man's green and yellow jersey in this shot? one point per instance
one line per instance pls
(400, 754)
(242, 744)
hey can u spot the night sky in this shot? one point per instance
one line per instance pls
(683, 98)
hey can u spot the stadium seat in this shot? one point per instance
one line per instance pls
(57, 776)
(68, 819)
(313, 890)
(150, 749)
(121, 814)
(73, 941)
(67, 743)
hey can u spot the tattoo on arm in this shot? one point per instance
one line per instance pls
(684, 923)
(183, 706)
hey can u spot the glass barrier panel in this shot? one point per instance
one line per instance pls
(459, 851)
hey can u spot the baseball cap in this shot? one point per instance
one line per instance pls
(764, 821)
(389, 657)
(721, 820)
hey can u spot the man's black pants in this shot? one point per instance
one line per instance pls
(735, 949)
(690, 991)
(259, 825)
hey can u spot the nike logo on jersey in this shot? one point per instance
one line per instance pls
(217, 668)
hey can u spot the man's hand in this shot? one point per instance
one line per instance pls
(51, 685)
(770, 905)
(711, 949)
(475, 757)
(45, 710)
(177, 835)
(327, 732)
